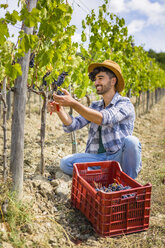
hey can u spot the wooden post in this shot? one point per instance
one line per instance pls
(17, 136)
(29, 104)
(8, 99)
(152, 103)
(148, 100)
(4, 127)
(42, 131)
(139, 105)
(129, 93)
(73, 134)
(156, 95)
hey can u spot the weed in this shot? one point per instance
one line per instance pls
(17, 216)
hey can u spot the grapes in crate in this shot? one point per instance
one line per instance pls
(112, 188)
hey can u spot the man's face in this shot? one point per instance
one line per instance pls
(103, 83)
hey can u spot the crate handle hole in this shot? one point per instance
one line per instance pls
(94, 168)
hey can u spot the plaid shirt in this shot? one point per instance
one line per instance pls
(117, 123)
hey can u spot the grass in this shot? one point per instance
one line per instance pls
(17, 218)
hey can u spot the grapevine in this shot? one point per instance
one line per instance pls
(45, 40)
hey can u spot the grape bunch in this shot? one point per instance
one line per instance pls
(31, 63)
(60, 93)
(57, 83)
(44, 80)
(13, 62)
(112, 188)
(61, 78)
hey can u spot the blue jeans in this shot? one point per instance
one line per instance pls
(129, 157)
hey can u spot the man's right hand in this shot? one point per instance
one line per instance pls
(52, 106)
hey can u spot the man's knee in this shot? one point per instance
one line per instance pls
(131, 161)
(132, 142)
(62, 164)
(66, 166)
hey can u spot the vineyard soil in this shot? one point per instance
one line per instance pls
(54, 222)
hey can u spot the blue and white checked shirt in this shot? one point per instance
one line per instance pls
(118, 122)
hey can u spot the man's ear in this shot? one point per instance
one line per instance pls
(113, 81)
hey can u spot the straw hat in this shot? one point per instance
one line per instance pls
(113, 66)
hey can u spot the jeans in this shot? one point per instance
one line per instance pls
(129, 157)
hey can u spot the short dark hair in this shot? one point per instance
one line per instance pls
(111, 74)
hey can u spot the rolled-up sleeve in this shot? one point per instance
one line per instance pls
(114, 114)
(77, 123)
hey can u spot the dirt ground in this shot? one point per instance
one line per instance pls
(55, 222)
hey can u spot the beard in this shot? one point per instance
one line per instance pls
(103, 89)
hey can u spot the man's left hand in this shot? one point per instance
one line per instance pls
(64, 100)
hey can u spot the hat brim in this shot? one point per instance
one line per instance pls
(120, 84)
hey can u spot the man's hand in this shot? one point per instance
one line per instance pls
(52, 106)
(88, 113)
(64, 100)
(68, 101)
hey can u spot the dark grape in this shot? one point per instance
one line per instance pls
(54, 85)
(112, 188)
(61, 78)
(13, 62)
(59, 82)
(50, 178)
(31, 63)
(43, 79)
(60, 93)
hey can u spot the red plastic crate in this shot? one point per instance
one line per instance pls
(110, 213)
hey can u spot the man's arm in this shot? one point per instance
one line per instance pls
(64, 117)
(88, 113)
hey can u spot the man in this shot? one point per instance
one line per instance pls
(111, 122)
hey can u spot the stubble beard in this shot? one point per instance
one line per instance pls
(104, 89)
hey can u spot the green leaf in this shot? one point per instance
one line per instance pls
(83, 24)
(4, 31)
(98, 44)
(25, 43)
(13, 71)
(121, 22)
(20, 53)
(33, 40)
(44, 13)
(63, 7)
(45, 58)
(17, 68)
(83, 36)
(30, 18)
(5, 6)
(13, 17)
(28, 41)
(100, 12)
(24, 13)
(104, 8)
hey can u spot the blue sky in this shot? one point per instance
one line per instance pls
(145, 19)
